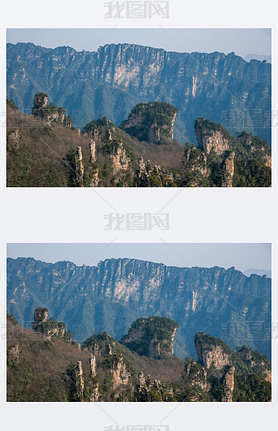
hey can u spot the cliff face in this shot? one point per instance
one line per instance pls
(112, 295)
(211, 138)
(211, 352)
(213, 83)
(151, 122)
(152, 337)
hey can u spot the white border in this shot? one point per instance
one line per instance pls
(197, 215)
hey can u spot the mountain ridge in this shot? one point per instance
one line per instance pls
(127, 74)
(113, 294)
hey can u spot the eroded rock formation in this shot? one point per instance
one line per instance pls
(210, 353)
(147, 337)
(211, 136)
(79, 381)
(229, 169)
(151, 122)
(228, 381)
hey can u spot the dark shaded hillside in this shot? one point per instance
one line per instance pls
(110, 81)
(110, 296)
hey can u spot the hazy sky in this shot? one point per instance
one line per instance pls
(242, 256)
(241, 41)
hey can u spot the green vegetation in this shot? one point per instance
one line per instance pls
(12, 319)
(208, 342)
(44, 155)
(152, 332)
(11, 104)
(151, 122)
(251, 388)
(40, 369)
(207, 127)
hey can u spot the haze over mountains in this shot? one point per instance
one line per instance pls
(109, 82)
(111, 296)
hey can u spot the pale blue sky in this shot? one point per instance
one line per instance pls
(242, 256)
(241, 41)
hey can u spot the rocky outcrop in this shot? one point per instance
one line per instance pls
(211, 136)
(229, 169)
(40, 316)
(92, 366)
(228, 381)
(196, 375)
(150, 175)
(40, 102)
(148, 389)
(120, 160)
(79, 381)
(95, 393)
(79, 168)
(49, 328)
(50, 113)
(195, 160)
(210, 351)
(92, 151)
(151, 122)
(120, 374)
(152, 337)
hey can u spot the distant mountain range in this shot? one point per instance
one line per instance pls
(259, 57)
(250, 271)
(112, 295)
(90, 85)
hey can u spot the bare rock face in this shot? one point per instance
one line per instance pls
(79, 165)
(95, 180)
(268, 161)
(152, 337)
(50, 328)
(95, 393)
(92, 150)
(268, 376)
(79, 381)
(210, 352)
(50, 113)
(210, 136)
(120, 160)
(228, 381)
(197, 375)
(92, 366)
(196, 160)
(229, 168)
(119, 372)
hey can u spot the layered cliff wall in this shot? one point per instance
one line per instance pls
(110, 81)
